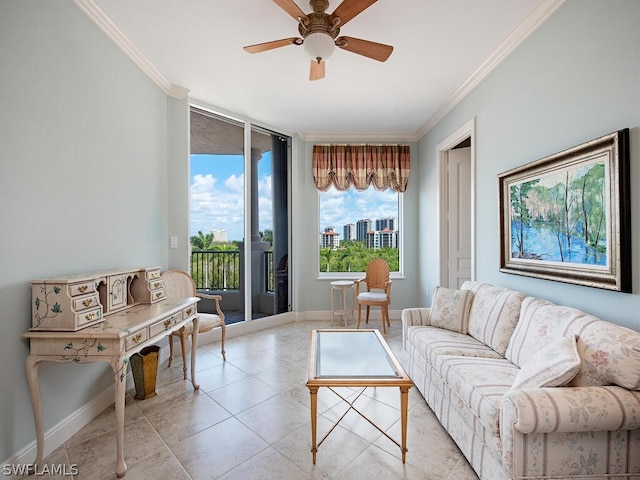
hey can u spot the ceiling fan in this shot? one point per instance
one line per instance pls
(320, 32)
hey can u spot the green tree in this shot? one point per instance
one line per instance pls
(202, 241)
(325, 259)
(267, 236)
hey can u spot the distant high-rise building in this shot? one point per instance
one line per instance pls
(362, 228)
(385, 223)
(219, 235)
(329, 239)
(349, 232)
(382, 239)
(388, 238)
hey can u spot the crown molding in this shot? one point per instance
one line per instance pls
(120, 39)
(345, 137)
(538, 15)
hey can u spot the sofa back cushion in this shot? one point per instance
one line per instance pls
(494, 314)
(540, 323)
(609, 354)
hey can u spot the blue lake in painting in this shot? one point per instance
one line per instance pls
(543, 244)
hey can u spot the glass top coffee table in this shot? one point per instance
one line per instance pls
(354, 358)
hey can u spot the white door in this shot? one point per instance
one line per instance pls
(459, 216)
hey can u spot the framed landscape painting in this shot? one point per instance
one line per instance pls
(567, 217)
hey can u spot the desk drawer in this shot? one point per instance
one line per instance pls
(153, 274)
(136, 339)
(87, 302)
(157, 295)
(77, 289)
(190, 311)
(164, 324)
(89, 317)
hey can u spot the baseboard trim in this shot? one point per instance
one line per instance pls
(67, 427)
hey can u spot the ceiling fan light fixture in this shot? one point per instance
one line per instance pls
(319, 45)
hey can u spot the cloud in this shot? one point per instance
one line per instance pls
(216, 204)
(213, 207)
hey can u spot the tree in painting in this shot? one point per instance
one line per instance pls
(561, 217)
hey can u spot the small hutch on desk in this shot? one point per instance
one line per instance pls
(102, 316)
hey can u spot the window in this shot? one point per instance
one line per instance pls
(356, 227)
(360, 205)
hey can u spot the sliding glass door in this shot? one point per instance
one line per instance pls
(239, 215)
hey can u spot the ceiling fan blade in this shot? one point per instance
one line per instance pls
(349, 9)
(377, 51)
(263, 47)
(317, 70)
(291, 8)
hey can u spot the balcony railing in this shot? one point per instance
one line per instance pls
(220, 269)
(269, 279)
(216, 269)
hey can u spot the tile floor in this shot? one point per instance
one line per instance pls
(251, 420)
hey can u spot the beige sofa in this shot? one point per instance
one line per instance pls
(526, 388)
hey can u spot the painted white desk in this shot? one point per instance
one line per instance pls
(113, 341)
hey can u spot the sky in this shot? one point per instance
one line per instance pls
(217, 198)
(339, 208)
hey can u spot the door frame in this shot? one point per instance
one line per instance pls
(442, 160)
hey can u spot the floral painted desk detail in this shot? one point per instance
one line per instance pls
(113, 341)
(74, 302)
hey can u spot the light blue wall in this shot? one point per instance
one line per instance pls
(83, 166)
(574, 79)
(178, 182)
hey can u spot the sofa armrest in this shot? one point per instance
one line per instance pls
(570, 409)
(414, 316)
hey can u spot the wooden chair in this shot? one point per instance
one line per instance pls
(378, 292)
(180, 284)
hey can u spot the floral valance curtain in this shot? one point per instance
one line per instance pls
(343, 166)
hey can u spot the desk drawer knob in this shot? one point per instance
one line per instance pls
(158, 294)
(167, 323)
(88, 302)
(83, 288)
(157, 284)
(90, 316)
(137, 338)
(189, 311)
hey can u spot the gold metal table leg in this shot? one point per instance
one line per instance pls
(313, 392)
(404, 405)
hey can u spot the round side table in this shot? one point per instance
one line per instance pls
(343, 287)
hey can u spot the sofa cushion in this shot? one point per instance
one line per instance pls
(610, 355)
(450, 309)
(540, 323)
(553, 366)
(494, 314)
(479, 384)
(432, 341)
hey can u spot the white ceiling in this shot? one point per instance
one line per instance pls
(442, 48)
